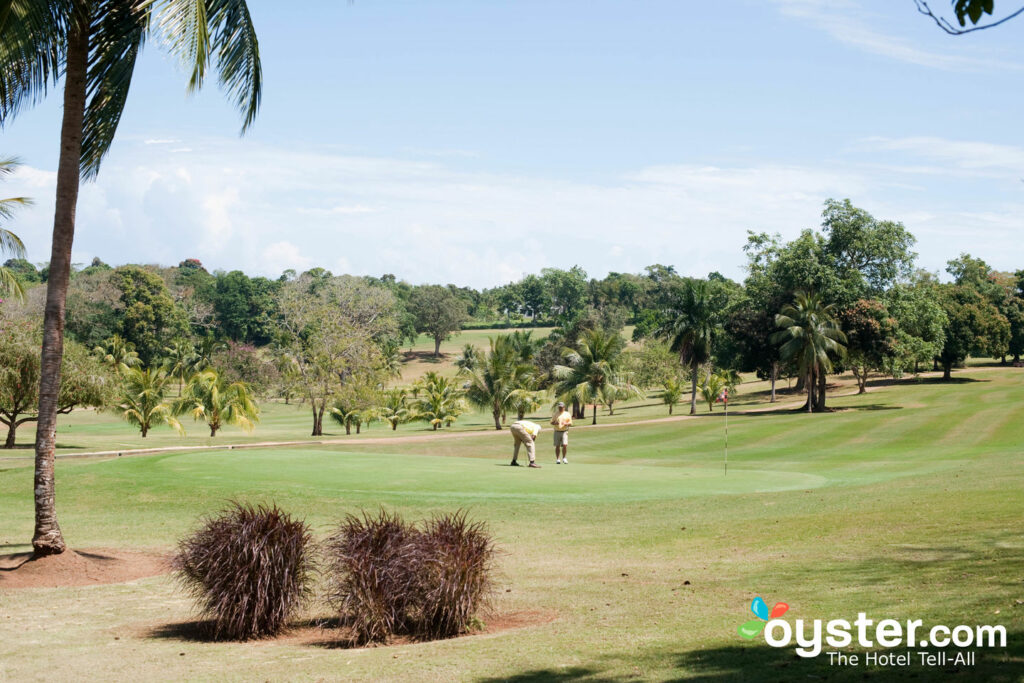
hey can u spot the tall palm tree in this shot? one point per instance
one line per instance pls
(142, 400)
(210, 398)
(496, 376)
(691, 327)
(591, 373)
(93, 45)
(117, 354)
(181, 361)
(809, 334)
(9, 242)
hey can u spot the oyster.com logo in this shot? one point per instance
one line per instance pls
(759, 607)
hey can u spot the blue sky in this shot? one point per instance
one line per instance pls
(475, 141)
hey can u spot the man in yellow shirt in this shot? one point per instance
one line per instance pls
(562, 421)
(524, 432)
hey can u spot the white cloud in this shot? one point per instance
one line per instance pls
(847, 22)
(237, 204)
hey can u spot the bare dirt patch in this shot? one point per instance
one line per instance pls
(79, 568)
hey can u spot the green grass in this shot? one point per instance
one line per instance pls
(905, 503)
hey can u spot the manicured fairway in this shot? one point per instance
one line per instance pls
(637, 561)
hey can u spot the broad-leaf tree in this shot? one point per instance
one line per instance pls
(811, 336)
(439, 313)
(85, 381)
(93, 45)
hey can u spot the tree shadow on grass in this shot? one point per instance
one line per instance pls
(187, 631)
(576, 673)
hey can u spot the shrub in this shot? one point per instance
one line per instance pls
(373, 563)
(389, 577)
(456, 557)
(249, 568)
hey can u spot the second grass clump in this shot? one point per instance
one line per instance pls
(391, 578)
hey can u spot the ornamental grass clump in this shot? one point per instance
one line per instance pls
(248, 568)
(456, 558)
(373, 564)
(391, 578)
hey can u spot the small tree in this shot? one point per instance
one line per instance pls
(117, 354)
(674, 391)
(440, 401)
(210, 398)
(142, 400)
(438, 313)
(9, 242)
(181, 361)
(394, 408)
(711, 386)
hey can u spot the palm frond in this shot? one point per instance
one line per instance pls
(31, 51)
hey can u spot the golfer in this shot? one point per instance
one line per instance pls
(561, 422)
(524, 432)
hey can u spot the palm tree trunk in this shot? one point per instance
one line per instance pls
(775, 374)
(47, 539)
(145, 430)
(819, 405)
(810, 389)
(497, 418)
(594, 421)
(213, 431)
(693, 388)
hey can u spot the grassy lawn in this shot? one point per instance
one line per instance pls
(640, 555)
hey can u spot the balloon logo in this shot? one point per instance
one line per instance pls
(749, 630)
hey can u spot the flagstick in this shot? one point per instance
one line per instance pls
(726, 436)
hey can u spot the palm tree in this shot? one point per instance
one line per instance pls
(9, 242)
(395, 409)
(673, 392)
(348, 415)
(496, 376)
(208, 347)
(441, 401)
(142, 400)
(809, 334)
(711, 387)
(181, 361)
(118, 354)
(691, 327)
(591, 373)
(94, 46)
(210, 398)
(525, 401)
(391, 359)
(469, 358)
(525, 345)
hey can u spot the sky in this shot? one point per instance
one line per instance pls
(475, 142)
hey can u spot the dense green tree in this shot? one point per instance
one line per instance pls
(148, 314)
(142, 400)
(921, 322)
(974, 326)
(93, 47)
(692, 324)
(567, 290)
(870, 338)
(811, 336)
(438, 312)
(25, 272)
(245, 307)
(85, 381)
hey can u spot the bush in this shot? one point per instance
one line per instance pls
(373, 563)
(456, 558)
(249, 568)
(391, 578)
